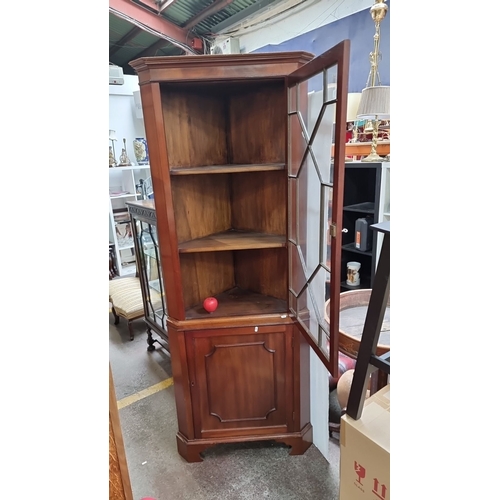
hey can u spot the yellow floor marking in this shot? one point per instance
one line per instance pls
(145, 393)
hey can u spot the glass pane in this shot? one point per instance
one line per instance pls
(298, 144)
(326, 207)
(331, 83)
(308, 215)
(297, 278)
(313, 303)
(321, 142)
(156, 309)
(292, 210)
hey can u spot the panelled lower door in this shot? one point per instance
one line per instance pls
(317, 107)
(238, 380)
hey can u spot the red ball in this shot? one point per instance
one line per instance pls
(210, 304)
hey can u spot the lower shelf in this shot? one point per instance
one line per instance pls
(238, 302)
(351, 247)
(363, 286)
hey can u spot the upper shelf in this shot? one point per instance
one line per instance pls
(226, 169)
(130, 167)
(233, 240)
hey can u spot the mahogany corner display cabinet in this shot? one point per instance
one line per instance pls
(247, 200)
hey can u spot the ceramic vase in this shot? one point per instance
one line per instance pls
(141, 150)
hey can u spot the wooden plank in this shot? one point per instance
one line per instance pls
(233, 240)
(201, 206)
(259, 202)
(227, 169)
(119, 478)
(263, 271)
(205, 274)
(256, 125)
(364, 148)
(195, 127)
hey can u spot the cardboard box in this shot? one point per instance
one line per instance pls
(365, 451)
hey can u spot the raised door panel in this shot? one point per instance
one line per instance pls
(238, 381)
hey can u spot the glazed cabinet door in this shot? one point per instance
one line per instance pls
(239, 380)
(317, 107)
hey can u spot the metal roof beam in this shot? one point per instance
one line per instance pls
(131, 10)
(207, 12)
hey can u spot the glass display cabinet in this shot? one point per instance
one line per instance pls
(240, 155)
(143, 217)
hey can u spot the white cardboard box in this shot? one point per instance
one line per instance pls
(365, 451)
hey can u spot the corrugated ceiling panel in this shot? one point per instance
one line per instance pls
(233, 8)
(117, 28)
(181, 12)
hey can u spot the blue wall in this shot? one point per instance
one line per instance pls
(359, 28)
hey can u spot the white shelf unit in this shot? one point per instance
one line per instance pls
(122, 188)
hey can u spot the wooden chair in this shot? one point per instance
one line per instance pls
(125, 296)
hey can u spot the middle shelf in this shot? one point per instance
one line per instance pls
(233, 240)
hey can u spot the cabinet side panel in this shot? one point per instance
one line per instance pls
(195, 127)
(302, 377)
(201, 205)
(205, 274)
(182, 389)
(158, 157)
(257, 124)
(262, 271)
(259, 201)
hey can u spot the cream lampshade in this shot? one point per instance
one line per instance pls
(352, 106)
(375, 103)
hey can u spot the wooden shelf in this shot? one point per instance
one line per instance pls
(130, 167)
(226, 169)
(351, 247)
(364, 148)
(233, 302)
(233, 240)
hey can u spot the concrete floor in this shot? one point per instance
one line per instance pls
(145, 397)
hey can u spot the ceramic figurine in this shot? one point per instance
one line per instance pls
(124, 159)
